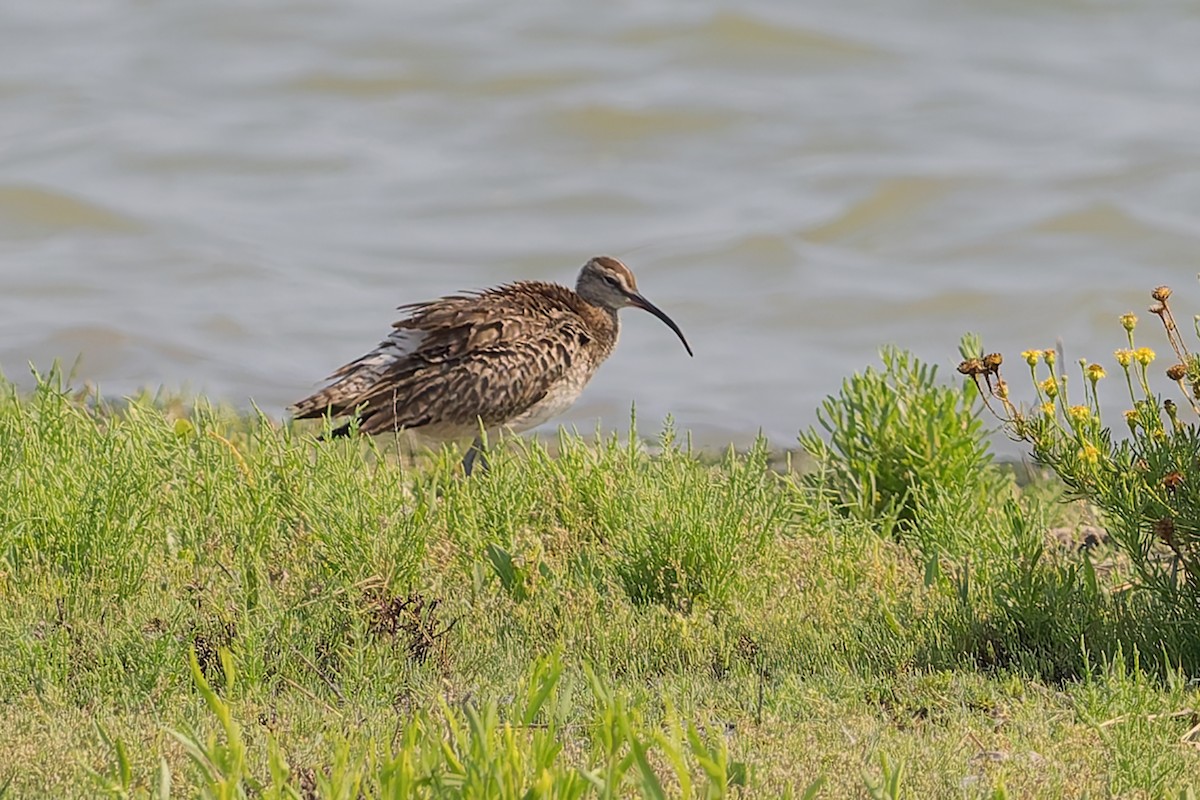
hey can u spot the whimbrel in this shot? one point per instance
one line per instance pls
(468, 365)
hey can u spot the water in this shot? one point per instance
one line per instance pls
(231, 197)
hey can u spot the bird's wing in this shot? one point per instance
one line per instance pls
(457, 360)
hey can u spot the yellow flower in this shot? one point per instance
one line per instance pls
(1031, 357)
(1129, 321)
(1079, 414)
(1124, 356)
(1048, 409)
(1050, 356)
(1144, 355)
(1050, 387)
(1089, 453)
(1095, 372)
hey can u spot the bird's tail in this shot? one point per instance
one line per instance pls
(355, 383)
(317, 404)
(327, 402)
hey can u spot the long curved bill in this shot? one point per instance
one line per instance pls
(638, 301)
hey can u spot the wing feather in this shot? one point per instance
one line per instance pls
(460, 359)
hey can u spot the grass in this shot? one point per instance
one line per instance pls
(195, 602)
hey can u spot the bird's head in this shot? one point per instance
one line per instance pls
(606, 282)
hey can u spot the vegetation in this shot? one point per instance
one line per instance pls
(198, 603)
(1145, 481)
(894, 434)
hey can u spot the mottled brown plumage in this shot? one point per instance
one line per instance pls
(509, 357)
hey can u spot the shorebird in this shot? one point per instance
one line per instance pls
(469, 365)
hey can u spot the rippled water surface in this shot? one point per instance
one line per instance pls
(233, 196)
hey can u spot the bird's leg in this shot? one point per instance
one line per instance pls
(477, 451)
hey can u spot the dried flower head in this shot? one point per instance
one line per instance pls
(1001, 389)
(972, 367)
(1143, 355)
(1031, 357)
(1164, 529)
(1172, 481)
(992, 362)
(1161, 293)
(1176, 372)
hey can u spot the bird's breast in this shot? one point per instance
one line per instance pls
(560, 396)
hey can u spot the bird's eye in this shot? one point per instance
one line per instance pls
(612, 281)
